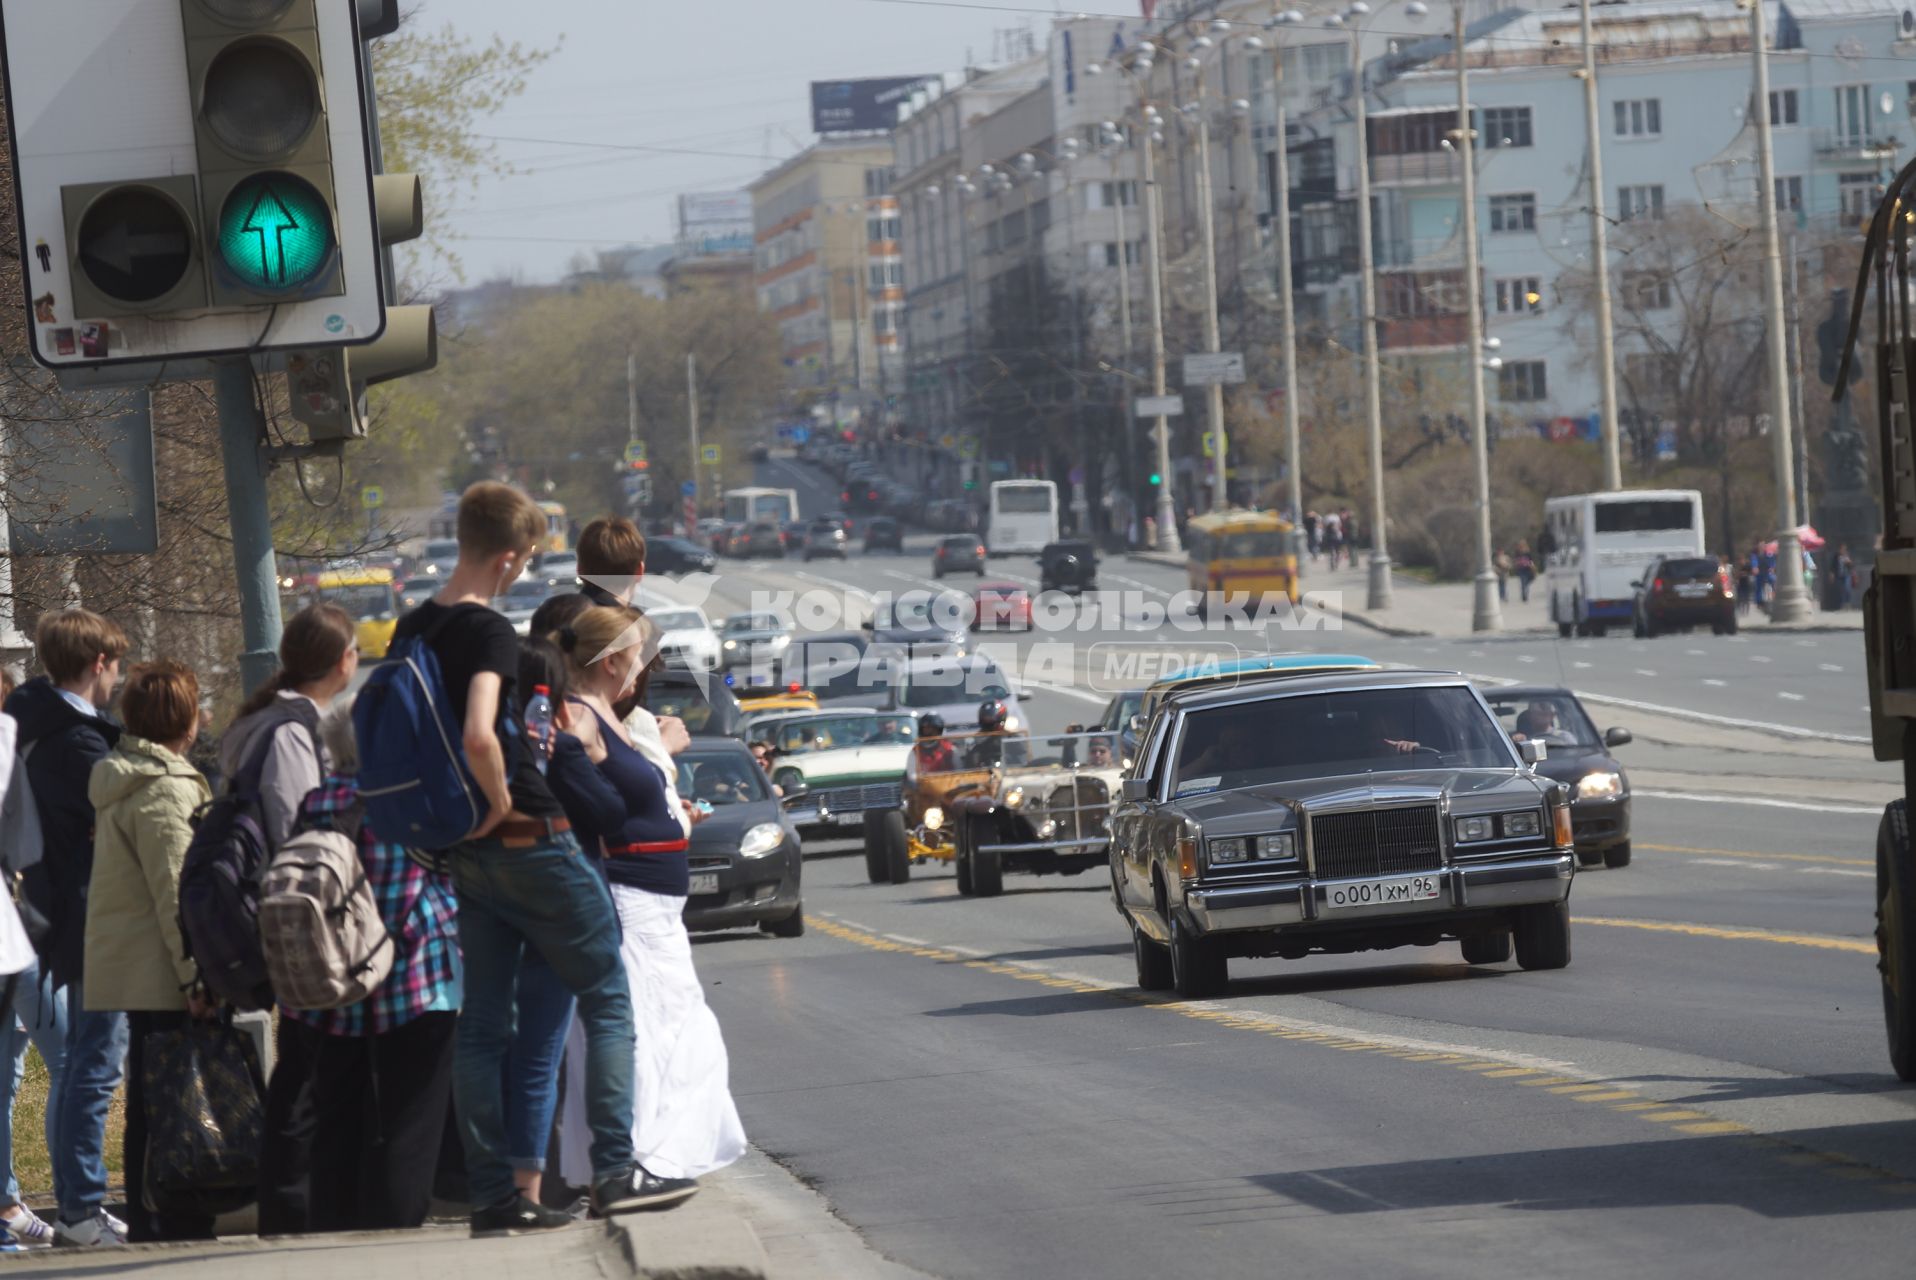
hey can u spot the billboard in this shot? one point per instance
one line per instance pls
(856, 106)
(714, 210)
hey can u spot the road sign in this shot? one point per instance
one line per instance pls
(372, 497)
(691, 515)
(1223, 368)
(709, 454)
(1159, 406)
(1209, 452)
(968, 448)
(690, 489)
(635, 451)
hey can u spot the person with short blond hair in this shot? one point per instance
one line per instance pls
(66, 731)
(522, 883)
(137, 967)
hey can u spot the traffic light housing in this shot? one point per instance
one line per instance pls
(193, 178)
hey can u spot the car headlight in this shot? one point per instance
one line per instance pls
(1013, 723)
(1015, 798)
(731, 644)
(934, 818)
(1517, 825)
(1236, 849)
(1277, 847)
(1602, 783)
(765, 838)
(779, 642)
(1481, 827)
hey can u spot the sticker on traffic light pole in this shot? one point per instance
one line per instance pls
(275, 233)
(709, 454)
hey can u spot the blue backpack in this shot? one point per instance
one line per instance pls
(415, 783)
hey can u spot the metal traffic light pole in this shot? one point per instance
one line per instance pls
(251, 518)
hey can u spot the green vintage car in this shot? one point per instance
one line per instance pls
(847, 759)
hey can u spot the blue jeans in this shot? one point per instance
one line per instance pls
(96, 1059)
(542, 895)
(38, 1014)
(544, 1009)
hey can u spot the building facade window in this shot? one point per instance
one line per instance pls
(1107, 195)
(1783, 108)
(1640, 202)
(1323, 61)
(1789, 194)
(1519, 295)
(1514, 212)
(1505, 127)
(1106, 255)
(1637, 117)
(1856, 194)
(885, 228)
(1522, 381)
(1852, 113)
(886, 275)
(1646, 290)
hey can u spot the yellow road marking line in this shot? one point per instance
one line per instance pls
(1816, 940)
(1621, 1100)
(1748, 853)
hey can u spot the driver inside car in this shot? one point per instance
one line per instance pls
(988, 748)
(1538, 722)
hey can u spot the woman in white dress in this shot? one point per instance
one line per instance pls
(684, 1123)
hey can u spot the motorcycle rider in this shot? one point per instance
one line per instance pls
(987, 749)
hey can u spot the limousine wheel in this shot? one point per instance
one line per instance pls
(1154, 962)
(1895, 919)
(1198, 969)
(1487, 948)
(1543, 935)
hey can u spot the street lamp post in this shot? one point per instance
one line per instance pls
(1293, 436)
(1485, 612)
(1207, 230)
(1791, 602)
(1379, 595)
(1600, 261)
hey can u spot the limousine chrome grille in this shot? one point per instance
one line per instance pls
(1376, 842)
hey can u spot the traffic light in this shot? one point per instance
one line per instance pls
(193, 178)
(1156, 479)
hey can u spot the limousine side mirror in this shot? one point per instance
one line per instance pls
(1136, 789)
(1618, 737)
(1136, 724)
(1533, 751)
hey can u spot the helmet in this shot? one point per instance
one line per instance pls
(991, 715)
(931, 726)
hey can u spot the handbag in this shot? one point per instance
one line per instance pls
(204, 1115)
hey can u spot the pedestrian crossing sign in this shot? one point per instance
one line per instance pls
(709, 454)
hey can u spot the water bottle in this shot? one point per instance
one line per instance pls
(539, 725)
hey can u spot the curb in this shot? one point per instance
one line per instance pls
(1315, 601)
(693, 1241)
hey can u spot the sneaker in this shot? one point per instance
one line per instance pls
(117, 1225)
(638, 1189)
(516, 1217)
(29, 1228)
(95, 1231)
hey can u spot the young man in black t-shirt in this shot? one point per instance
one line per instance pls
(523, 882)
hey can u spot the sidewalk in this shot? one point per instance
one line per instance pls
(1420, 608)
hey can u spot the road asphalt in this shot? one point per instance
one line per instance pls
(978, 1088)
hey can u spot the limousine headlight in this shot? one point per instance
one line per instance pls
(1527, 823)
(1235, 849)
(1277, 847)
(1476, 828)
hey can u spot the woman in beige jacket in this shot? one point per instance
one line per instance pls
(144, 795)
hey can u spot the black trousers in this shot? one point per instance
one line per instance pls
(385, 1100)
(143, 1224)
(286, 1141)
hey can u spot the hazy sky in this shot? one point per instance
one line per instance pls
(724, 85)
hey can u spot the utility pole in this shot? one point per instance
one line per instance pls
(692, 417)
(1293, 436)
(1599, 258)
(1124, 345)
(1379, 595)
(1791, 602)
(1207, 222)
(252, 521)
(1801, 418)
(1168, 541)
(632, 397)
(1485, 612)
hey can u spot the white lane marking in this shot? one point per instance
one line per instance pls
(1716, 684)
(1789, 697)
(1731, 722)
(1142, 586)
(1764, 802)
(1525, 657)
(1644, 671)
(965, 951)
(1581, 666)
(1757, 657)
(1067, 691)
(834, 583)
(1735, 862)
(1836, 871)
(908, 941)
(1695, 653)
(1827, 666)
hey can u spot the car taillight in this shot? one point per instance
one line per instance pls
(981, 550)
(871, 495)
(1657, 585)
(845, 496)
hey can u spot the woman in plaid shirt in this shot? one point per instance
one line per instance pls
(383, 1080)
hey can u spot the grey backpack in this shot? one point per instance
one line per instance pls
(320, 929)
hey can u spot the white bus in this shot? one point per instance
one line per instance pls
(1600, 543)
(1023, 516)
(748, 506)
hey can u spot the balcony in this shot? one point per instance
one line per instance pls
(1417, 168)
(1846, 146)
(1399, 332)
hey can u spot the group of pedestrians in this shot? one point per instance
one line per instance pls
(543, 957)
(1333, 535)
(1514, 562)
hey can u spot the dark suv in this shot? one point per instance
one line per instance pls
(1071, 567)
(1680, 592)
(882, 532)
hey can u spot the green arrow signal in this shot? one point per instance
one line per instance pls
(275, 233)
